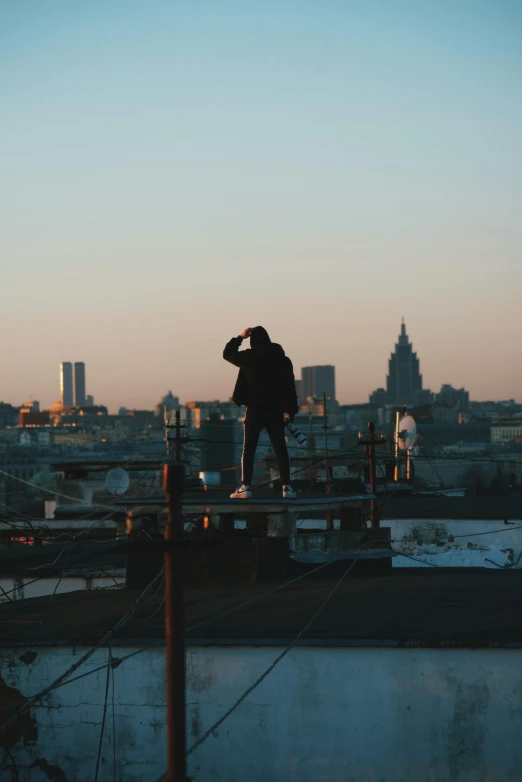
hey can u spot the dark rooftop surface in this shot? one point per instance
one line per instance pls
(263, 501)
(412, 506)
(434, 507)
(425, 607)
(82, 556)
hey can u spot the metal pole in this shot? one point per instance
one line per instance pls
(328, 485)
(178, 437)
(325, 432)
(407, 462)
(173, 475)
(166, 424)
(396, 448)
(374, 512)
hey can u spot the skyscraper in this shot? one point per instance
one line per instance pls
(404, 381)
(66, 384)
(79, 384)
(299, 390)
(318, 381)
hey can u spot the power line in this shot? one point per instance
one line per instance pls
(509, 528)
(96, 506)
(109, 667)
(142, 458)
(113, 724)
(51, 491)
(271, 667)
(50, 539)
(13, 764)
(117, 661)
(260, 597)
(408, 556)
(77, 562)
(261, 445)
(40, 567)
(306, 467)
(383, 457)
(465, 459)
(125, 463)
(6, 594)
(108, 635)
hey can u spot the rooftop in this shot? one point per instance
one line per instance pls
(263, 502)
(430, 608)
(417, 506)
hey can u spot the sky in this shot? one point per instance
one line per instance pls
(173, 172)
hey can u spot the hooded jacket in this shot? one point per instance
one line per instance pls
(266, 376)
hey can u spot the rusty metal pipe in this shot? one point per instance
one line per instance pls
(173, 475)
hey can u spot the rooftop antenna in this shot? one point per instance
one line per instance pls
(407, 439)
(407, 431)
(369, 443)
(178, 426)
(328, 482)
(396, 447)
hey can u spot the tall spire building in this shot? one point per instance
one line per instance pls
(404, 380)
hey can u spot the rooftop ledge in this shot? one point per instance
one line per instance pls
(209, 501)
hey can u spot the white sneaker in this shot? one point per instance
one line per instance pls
(289, 493)
(242, 493)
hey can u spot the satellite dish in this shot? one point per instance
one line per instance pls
(407, 433)
(117, 481)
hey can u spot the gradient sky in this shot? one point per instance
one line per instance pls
(172, 172)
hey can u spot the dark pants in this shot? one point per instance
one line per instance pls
(274, 423)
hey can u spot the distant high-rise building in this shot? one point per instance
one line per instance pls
(379, 397)
(453, 397)
(318, 381)
(66, 384)
(219, 448)
(30, 417)
(8, 415)
(33, 405)
(404, 381)
(195, 413)
(79, 383)
(299, 391)
(169, 403)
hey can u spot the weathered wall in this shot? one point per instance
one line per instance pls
(331, 714)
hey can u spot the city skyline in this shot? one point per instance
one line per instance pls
(171, 178)
(148, 402)
(343, 177)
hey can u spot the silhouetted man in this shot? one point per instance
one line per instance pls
(266, 386)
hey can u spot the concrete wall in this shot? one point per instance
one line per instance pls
(322, 715)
